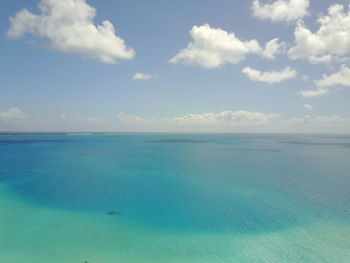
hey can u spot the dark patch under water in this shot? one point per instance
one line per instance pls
(113, 213)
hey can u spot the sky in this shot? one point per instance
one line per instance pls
(175, 66)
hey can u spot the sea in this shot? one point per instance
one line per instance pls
(174, 198)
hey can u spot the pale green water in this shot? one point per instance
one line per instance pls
(182, 198)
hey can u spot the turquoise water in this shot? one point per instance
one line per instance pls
(175, 198)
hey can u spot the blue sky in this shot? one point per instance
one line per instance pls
(53, 81)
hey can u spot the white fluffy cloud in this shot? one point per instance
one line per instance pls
(270, 77)
(142, 76)
(281, 10)
(69, 27)
(331, 40)
(214, 47)
(341, 78)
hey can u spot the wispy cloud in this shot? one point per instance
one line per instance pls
(273, 48)
(318, 119)
(308, 107)
(313, 92)
(142, 76)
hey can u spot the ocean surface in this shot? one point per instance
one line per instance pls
(189, 198)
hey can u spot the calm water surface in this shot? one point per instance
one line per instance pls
(213, 198)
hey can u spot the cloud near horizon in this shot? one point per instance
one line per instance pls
(239, 121)
(225, 121)
(14, 119)
(324, 119)
(13, 114)
(69, 27)
(234, 118)
(226, 118)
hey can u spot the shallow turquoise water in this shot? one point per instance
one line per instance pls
(218, 193)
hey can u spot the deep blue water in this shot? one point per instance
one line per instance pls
(185, 182)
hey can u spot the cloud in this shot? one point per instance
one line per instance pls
(224, 118)
(341, 78)
(235, 121)
(68, 26)
(323, 119)
(14, 119)
(92, 121)
(330, 41)
(142, 76)
(13, 114)
(131, 118)
(89, 120)
(281, 10)
(317, 124)
(329, 83)
(308, 107)
(270, 77)
(320, 59)
(234, 118)
(63, 117)
(313, 92)
(272, 48)
(214, 47)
